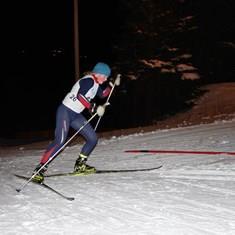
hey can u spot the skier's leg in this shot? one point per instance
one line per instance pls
(87, 132)
(61, 132)
(91, 141)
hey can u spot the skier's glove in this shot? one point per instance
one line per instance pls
(115, 82)
(118, 80)
(100, 110)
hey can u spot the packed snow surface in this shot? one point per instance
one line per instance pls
(191, 194)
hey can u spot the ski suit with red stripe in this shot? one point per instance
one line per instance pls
(69, 114)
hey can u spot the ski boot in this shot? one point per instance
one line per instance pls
(81, 168)
(39, 177)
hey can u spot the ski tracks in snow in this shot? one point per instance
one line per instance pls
(190, 194)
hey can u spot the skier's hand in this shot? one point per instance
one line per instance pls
(115, 82)
(100, 110)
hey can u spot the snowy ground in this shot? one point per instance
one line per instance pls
(191, 194)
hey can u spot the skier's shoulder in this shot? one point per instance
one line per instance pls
(87, 81)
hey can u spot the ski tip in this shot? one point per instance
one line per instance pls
(71, 198)
(18, 190)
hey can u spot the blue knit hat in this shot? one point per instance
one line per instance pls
(102, 68)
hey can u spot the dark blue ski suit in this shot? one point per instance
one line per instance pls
(69, 114)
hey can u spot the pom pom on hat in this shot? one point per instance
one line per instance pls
(102, 68)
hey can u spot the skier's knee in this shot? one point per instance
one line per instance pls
(93, 140)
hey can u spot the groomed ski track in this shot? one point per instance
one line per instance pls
(191, 194)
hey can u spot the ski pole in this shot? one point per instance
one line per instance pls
(54, 155)
(116, 82)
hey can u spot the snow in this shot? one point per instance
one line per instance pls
(191, 194)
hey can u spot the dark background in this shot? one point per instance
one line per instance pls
(38, 57)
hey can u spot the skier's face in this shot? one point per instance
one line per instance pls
(101, 78)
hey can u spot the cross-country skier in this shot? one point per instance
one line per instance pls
(70, 114)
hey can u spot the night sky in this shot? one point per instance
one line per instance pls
(38, 55)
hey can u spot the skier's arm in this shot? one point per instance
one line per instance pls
(103, 93)
(84, 101)
(85, 86)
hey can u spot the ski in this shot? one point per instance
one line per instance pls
(46, 186)
(178, 152)
(103, 172)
